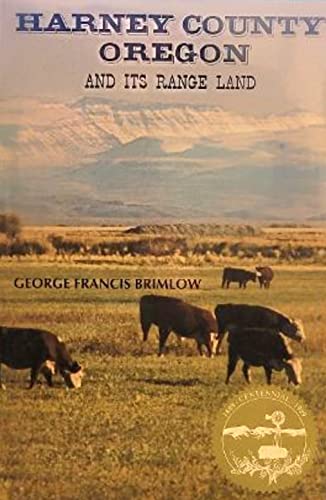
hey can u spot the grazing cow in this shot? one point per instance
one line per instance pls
(22, 348)
(262, 347)
(265, 276)
(170, 314)
(247, 316)
(73, 380)
(235, 275)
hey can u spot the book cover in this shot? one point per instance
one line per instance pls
(162, 249)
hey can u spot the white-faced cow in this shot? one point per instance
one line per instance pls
(237, 275)
(265, 276)
(171, 314)
(262, 347)
(23, 348)
(254, 316)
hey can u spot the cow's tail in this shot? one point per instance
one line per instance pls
(145, 317)
(220, 330)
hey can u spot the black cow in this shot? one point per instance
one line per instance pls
(236, 275)
(171, 314)
(265, 276)
(22, 348)
(262, 347)
(253, 316)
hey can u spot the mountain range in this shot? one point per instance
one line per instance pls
(96, 161)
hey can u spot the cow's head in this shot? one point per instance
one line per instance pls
(258, 273)
(293, 328)
(293, 368)
(252, 276)
(75, 367)
(73, 377)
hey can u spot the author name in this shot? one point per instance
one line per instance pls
(107, 283)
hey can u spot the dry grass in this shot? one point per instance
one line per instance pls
(315, 236)
(117, 246)
(140, 427)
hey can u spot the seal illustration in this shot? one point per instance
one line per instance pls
(265, 439)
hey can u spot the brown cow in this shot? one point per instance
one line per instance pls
(171, 314)
(265, 276)
(22, 348)
(262, 347)
(237, 275)
(255, 316)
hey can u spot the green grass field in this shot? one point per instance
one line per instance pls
(140, 427)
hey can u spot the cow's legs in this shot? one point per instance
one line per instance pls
(200, 348)
(163, 338)
(268, 373)
(2, 386)
(145, 324)
(209, 347)
(233, 359)
(34, 373)
(246, 372)
(48, 377)
(219, 343)
(213, 338)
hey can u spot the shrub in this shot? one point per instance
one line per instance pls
(146, 246)
(63, 246)
(22, 248)
(10, 225)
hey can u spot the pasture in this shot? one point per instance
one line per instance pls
(172, 244)
(140, 427)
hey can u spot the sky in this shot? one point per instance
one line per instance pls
(289, 70)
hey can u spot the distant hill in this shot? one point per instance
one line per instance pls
(141, 191)
(201, 230)
(102, 161)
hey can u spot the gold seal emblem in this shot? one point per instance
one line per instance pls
(265, 439)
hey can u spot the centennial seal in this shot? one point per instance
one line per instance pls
(265, 439)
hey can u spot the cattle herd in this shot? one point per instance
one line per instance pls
(257, 335)
(264, 275)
